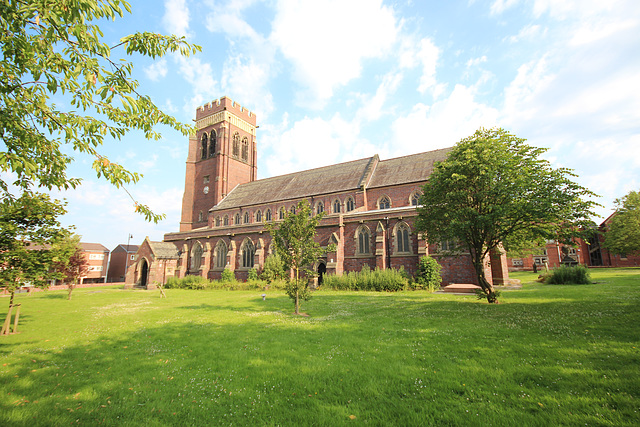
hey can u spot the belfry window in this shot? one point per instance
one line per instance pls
(236, 145)
(245, 149)
(213, 139)
(203, 155)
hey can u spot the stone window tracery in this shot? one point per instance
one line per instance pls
(319, 208)
(281, 213)
(196, 257)
(226, 220)
(248, 252)
(245, 149)
(267, 215)
(246, 217)
(350, 204)
(384, 203)
(363, 240)
(259, 216)
(402, 238)
(221, 254)
(237, 219)
(336, 206)
(415, 198)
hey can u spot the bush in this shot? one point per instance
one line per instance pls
(428, 275)
(252, 275)
(227, 276)
(389, 280)
(565, 275)
(273, 268)
(187, 282)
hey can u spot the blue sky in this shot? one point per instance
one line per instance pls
(332, 81)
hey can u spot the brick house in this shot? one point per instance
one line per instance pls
(369, 205)
(121, 257)
(97, 257)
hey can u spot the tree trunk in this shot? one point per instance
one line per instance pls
(487, 287)
(71, 286)
(11, 299)
(297, 292)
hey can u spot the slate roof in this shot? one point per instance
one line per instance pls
(93, 247)
(370, 172)
(129, 248)
(164, 249)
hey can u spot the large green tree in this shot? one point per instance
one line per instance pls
(54, 48)
(623, 232)
(29, 232)
(294, 242)
(493, 190)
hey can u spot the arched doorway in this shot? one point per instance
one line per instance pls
(144, 273)
(322, 270)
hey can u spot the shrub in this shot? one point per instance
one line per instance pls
(187, 282)
(252, 275)
(273, 268)
(428, 275)
(389, 280)
(565, 275)
(227, 276)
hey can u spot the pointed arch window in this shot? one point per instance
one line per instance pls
(336, 206)
(319, 208)
(236, 145)
(246, 217)
(415, 198)
(350, 204)
(293, 209)
(218, 221)
(237, 219)
(384, 203)
(363, 241)
(196, 257)
(402, 238)
(213, 140)
(267, 215)
(221, 254)
(248, 253)
(259, 216)
(281, 213)
(204, 143)
(226, 220)
(245, 149)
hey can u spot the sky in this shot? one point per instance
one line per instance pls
(333, 81)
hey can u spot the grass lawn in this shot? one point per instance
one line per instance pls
(548, 355)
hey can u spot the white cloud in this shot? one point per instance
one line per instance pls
(157, 70)
(474, 62)
(528, 33)
(499, 6)
(327, 41)
(374, 106)
(428, 56)
(200, 76)
(176, 17)
(243, 78)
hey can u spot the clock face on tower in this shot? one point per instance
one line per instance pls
(206, 189)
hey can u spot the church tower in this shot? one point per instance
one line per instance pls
(222, 155)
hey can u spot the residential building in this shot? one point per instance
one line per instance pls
(122, 256)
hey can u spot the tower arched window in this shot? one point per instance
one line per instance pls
(236, 145)
(267, 215)
(259, 216)
(246, 217)
(245, 149)
(221, 254)
(351, 205)
(384, 203)
(248, 252)
(336, 206)
(402, 238)
(363, 241)
(213, 140)
(196, 257)
(204, 143)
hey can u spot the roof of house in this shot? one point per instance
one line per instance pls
(93, 247)
(369, 172)
(164, 249)
(128, 248)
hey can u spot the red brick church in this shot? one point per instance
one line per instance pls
(369, 205)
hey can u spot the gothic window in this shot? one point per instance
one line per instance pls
(237, 220)
(336, 206)
(363, 240)
(200, 216)
(293, 209)
(259, 216)
(213, 139)
(248, 253)
(415, 199)
(267, 215)
(196, 257)
(226, 220)
(350, 204)
(448, 246)
(245, 149)
(319, 208)
(217, 221)
(402, 238)
(204, 146)
(221, 254)
(246, 217)
(236, 145)
(384, 203)
(281, 213)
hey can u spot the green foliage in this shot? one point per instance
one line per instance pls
(495, 190)
(252, 274)
(389, 280)
(227, 276)
(188, 282)
(428, 275)
(565, 275)
(55, 50)
(623, 232)
(273, 268)
(294, 240)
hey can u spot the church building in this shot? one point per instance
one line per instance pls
(369, 206)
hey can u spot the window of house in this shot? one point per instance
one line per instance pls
(320, 207)
(236, 145)
(402, 238)
(246, 217)
(133, 257)
(221, 254)
(204, 144)
(267, 215)
(96, 256)
(259, 216)
(248, 253)
(517, 262)
(363, 240)
(336, 206)
(384, 203)
(245, 149)
(350, 204)
(237, 219)
(205, 180)
(213, 139)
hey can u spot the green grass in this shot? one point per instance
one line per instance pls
(548, 355)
